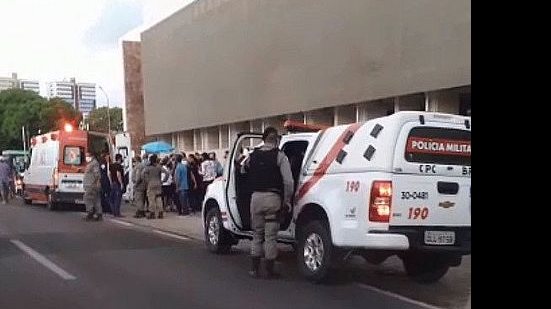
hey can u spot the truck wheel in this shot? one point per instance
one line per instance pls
(217, 238)
(425, 268)
(314, 251)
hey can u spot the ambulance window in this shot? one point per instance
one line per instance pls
(73, 155)
(439, 146)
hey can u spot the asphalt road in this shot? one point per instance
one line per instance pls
(56, 260)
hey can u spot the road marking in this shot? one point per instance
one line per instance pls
(171, 235)
(122, 222)
(43, 260)
(397, 296)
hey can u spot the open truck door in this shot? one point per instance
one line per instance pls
(123, 146)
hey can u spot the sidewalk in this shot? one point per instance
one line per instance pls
(189, 226)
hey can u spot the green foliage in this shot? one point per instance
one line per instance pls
(100, 123)
(25, 108)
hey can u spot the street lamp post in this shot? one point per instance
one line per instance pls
(108, 109)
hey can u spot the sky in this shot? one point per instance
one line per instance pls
(53, 40)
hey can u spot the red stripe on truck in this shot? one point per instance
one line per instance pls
(327, 161)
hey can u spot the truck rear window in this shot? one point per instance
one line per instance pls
(439, 146)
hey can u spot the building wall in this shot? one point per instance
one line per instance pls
(445, 100)
(133, 89)
(218, 61)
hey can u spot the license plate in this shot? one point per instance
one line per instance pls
(439, 238)
(79, 201)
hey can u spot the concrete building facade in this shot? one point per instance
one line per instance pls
(219, 67)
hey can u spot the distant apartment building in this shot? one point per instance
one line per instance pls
(31, 85)
(9, 82)
(15, 82)
(82, 96)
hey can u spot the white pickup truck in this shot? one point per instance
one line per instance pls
(396, 185)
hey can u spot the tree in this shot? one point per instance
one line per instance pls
(18, 108)
(56, 113)
(99, 122)
(25, 108)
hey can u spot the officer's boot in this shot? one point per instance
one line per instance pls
(99, 217)
(270, 272)
(255, 266)
(89, 216)
(160, 216)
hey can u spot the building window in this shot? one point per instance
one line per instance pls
(465, 104)
(224, 137)
(213, 138)
(345, 114)
(412, 102)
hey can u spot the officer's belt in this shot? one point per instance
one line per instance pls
(276, 191)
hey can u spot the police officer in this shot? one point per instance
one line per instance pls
(152, 178)
(272, 185)
(139, 186)
(6, 174)
(92, 188)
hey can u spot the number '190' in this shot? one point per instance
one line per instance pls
(418, 212)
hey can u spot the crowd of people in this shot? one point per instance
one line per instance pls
(173, 183)
(176, 183)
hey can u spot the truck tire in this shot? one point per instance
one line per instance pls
(314, 251)
(217, 239)
(425, 268)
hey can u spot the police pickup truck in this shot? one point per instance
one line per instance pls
(396, 185)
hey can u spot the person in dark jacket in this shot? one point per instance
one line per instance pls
(116, 172)
(105, 160)
(272, 184)
(196, 194)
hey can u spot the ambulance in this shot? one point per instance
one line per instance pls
(56, 171)
(396, 185)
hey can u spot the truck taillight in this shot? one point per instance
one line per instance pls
(380, 202)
